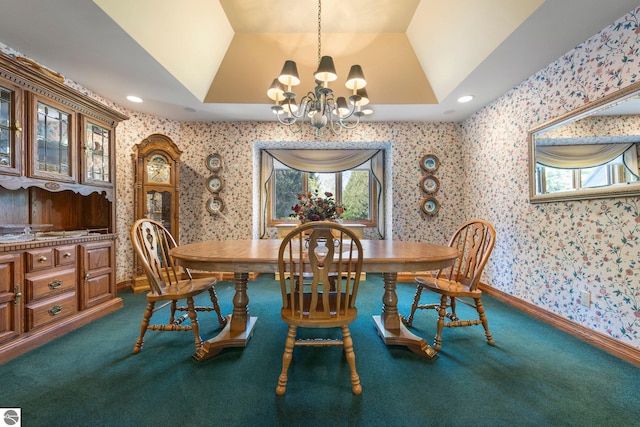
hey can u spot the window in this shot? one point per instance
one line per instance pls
(550, 179)
(355, 188)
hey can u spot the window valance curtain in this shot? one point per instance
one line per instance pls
(325, 161)
(630, 160)
(580, 156)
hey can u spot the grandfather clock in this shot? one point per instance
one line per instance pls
(156, 171)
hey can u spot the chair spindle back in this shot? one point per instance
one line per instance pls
(474, 240)
(152, 243)
(330, 256)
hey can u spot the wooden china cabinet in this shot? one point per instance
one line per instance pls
(57, 221)
(157, 189)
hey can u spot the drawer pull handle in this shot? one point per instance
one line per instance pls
(18, 294)
(42, 259)
(55, 284)
(67, 255)
(56, 309)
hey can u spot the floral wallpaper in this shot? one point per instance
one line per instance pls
(546, 254)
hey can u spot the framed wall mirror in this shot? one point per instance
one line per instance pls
(589, 153)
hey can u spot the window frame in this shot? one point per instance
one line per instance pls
(373, 198)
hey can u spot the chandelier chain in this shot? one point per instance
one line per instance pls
(319, 30)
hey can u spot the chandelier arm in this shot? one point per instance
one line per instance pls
(351, 111)
(291, 112)
(347, 126)
(286, 122)
(336, 130)
(296, 129)
(328, 105)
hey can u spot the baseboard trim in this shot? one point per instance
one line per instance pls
(597, 339)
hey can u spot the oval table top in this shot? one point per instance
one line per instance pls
(261, 256)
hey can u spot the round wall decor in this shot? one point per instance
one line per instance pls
(215, 205)
(430, 184)
(215, 184)
(214, 162)
(430, 205)
(430, 163)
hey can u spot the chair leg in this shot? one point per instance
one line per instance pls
(172, 314)
(286, 360)
(143, 327)
(356, 388)
(222, 321)
(442, 312)
(195, 327)
(485, 322)
(452, 312)
(414, 306)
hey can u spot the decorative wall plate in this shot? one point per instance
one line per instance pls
(430, 184)
(214, 162)
(215, 184)
(430, 206)
(430, 163)
(215, 205)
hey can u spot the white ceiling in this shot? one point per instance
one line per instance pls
(213, 60)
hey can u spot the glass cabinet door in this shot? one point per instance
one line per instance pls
(52, 151)
(53, 140)
(97, 153)
(10, 129)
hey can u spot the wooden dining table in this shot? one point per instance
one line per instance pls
(261, 256)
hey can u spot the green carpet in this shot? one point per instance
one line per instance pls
(534, 376)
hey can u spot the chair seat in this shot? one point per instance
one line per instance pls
(183, 289)
(448, 287)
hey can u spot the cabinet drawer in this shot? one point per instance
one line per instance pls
(50, 310)
(65, 255)
(39, 259)
(47, 285)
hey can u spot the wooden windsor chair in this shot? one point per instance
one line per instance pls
(474, 240)
(152, 243)
(319, 265)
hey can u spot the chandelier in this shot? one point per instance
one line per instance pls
(319, 107)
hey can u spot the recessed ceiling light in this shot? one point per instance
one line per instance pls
(465, 98)
(134, 98)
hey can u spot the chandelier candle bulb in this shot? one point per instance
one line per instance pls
(326, 71)
(276, 91)
(356, 79)
(289, 75)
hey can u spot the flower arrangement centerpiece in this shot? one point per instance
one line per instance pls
(314, 207)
